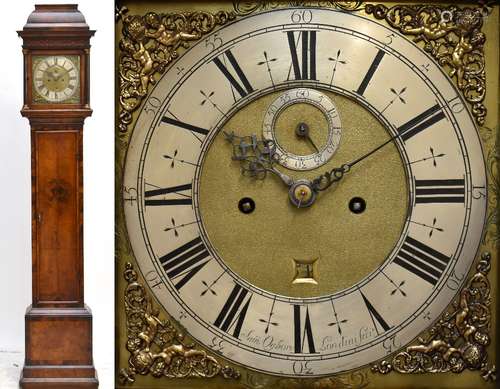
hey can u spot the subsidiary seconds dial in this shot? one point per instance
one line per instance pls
(329, 127)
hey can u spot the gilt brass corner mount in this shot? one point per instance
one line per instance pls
(156, 346)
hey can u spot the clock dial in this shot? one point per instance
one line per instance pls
(56, 78)
(373, 260)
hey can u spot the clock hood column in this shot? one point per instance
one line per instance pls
(58, 323)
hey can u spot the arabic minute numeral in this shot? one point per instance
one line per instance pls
(152, 104)
(153, 279)
(478, 192)
(319, 158)
(217, 344)
(456, 105)
(303, 16)
(301, 368)
(300, 164)
(390, 345)
(454, 280)
(214, 42)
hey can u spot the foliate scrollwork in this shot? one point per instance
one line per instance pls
(452, 36)
(149, 44)
(352, 380)
(247, 7)
(492, 233)
(156, 347)
(458, 341)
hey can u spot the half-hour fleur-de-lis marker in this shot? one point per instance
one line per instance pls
(433, 157)
(268, 321)
(398, 287)
(431, 228)
(337, 322)
(174, 227)
(398, 96)
(336, 60)
(175, 160)
(267, 62)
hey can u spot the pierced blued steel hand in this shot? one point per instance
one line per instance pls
(327, 179)
(302, 131)
(257, 157)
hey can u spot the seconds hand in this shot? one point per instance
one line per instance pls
(302, 131)
(337, 174)
(351, 164)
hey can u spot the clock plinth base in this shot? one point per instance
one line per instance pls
(59, 383)
(58, 349)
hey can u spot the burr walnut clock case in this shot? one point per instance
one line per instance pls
(306, 194)
(56, 102)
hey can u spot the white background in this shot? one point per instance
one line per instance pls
(15, 191)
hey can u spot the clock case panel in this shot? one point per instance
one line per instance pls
(249, 379)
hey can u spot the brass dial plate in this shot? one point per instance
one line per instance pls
(257, 246)
(56, 79)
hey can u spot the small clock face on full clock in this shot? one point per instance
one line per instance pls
(255, 251)
(56, 79)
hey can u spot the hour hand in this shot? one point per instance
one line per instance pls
(256, 156)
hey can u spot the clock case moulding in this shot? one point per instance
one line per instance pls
(428, 353)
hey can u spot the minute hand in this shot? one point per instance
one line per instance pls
(324, 181)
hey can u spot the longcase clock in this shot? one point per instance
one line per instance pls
(56, 102)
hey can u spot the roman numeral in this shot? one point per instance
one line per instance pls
(185, 261)
(305, 69)
(242, 86)
(233, 313)
(185, 126)
(184, 200)
(439, 191)
(371, 71)
(301, 335)
(375, 316)
(419, 123)
(422, 260)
